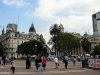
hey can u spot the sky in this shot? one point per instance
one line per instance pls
(74, 15)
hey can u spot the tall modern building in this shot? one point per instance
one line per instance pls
(95, 39)
(11, 38)
(96, 24)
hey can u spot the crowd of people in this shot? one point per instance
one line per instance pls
(40, 62)
(5, 60)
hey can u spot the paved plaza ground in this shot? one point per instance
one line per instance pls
(50, 69)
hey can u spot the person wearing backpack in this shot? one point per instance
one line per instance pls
(44, 60)
(65, 59)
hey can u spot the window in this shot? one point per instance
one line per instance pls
(17, 42)
(12, 41)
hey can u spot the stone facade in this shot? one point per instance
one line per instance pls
(12, 38)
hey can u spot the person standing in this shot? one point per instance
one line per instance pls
(74, 61)
(4, 60)
(65, 60)
(27, 62)
(83, 61)
(40, 67)
(56, 62)
(13, 65)
(36, 61)
(44, 60)
(30, 59)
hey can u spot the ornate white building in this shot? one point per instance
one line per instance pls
(12, 38)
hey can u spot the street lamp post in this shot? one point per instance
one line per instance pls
(35, 48)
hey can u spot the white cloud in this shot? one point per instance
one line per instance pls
(17, 3)
(49, 8)
(46, 34)
(78, 13)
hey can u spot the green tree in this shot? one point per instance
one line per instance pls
(63, 42)
(77, 44)
(31, 47)
(96, 50)
(68, 42)
(86, 45)
(55, 31)
(1, 49)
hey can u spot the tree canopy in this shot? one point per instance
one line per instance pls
(67, 42)
(96, 50)
(62, 41)
(31, 47)
(86, 45)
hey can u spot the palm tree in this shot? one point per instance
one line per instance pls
(55, 31)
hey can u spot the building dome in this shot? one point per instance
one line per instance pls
(32, 29)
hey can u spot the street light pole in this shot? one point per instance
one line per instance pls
(36, 48)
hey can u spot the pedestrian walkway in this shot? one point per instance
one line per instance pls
(46, 72)
(50, 69)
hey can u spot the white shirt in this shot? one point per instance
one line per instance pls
(56, 60)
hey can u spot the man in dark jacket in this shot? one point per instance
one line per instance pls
(28, 62)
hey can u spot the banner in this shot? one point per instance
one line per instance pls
(91, 63)
(94, 63)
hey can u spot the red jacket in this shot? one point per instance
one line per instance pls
(44, 60)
